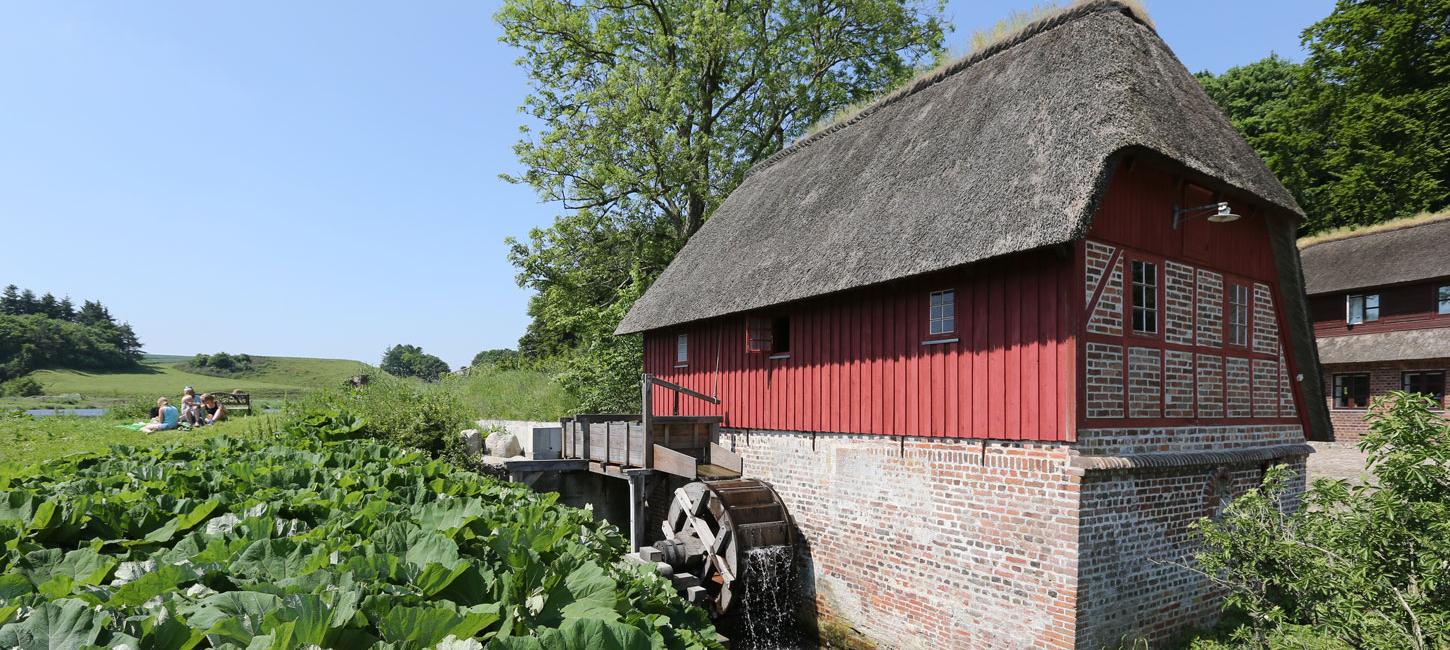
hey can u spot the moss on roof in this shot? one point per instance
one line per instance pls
(1384, 226)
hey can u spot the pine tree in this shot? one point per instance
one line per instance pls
(10, 300)
(28, 304)
(49, 306)
(67, 309)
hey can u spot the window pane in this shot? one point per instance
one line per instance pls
(1145, 297)
(1444, 299)
(682, 348)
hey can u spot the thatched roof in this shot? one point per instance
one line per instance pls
(1404, 345)
(1005, 151)
(1396, 252)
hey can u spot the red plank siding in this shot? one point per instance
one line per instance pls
(858, 364)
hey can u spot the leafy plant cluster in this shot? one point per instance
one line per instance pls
(401, 412)
(220, 364)
(285, 541)
(1357, 131)
(1359, 566)
(49, 333)
(21, 387)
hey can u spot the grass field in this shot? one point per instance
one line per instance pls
(490, 393)
(275, 378)
(517, 395)
(25, 440)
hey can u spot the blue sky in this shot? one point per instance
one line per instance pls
(321, 178)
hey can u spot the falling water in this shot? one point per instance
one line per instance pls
(768, 610)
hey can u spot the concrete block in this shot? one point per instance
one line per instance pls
(697, 595)
(683, 581)
(651, 554)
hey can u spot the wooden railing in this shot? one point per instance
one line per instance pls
(631, 440)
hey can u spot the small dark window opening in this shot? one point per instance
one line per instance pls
(1428, 383)
(780, 335)
(768, 335)
(1351, 391)
(1145, 297)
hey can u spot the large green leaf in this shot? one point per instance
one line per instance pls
(587, 592)
(162, 580)
(183, 522)
(424, 627)
(13, 585)
(58, 624)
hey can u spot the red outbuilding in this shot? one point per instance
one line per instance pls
(1000, 338)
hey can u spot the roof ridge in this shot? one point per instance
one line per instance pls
(1393, 225)
(1025, 34)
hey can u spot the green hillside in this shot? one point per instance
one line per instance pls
(274, 377)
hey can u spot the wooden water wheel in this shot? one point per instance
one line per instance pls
(713, 524)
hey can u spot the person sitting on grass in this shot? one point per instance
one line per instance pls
(191, 412)
(215, 412)
(166, 417)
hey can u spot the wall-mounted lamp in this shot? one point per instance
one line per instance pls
(1216, 213)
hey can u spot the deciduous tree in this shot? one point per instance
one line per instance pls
(1360, 132)
(412, 361)
(645, 115)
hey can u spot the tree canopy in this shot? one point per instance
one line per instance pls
(1359, 132)
(46, 332)
(411, 361)
(649, 114)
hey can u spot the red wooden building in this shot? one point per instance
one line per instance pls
(1380, 301)
(1001, 337)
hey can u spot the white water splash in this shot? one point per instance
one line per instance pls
(768, 610)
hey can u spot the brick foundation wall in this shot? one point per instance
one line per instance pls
(1135, 536)
(934, 543)
(1348, 424)
(940, 543)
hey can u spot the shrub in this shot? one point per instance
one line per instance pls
(134, 409)
(1363, 566)
(412, 361)
(220, 364)
(402, 412)
(26, 386)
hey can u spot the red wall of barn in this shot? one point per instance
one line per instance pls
(1136, 214)
(858, 365)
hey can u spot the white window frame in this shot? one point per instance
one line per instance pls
(682, 350)
(1360, 308)
(1239, 322)
(1151, 292)
(942, 312)
(1442, 297)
